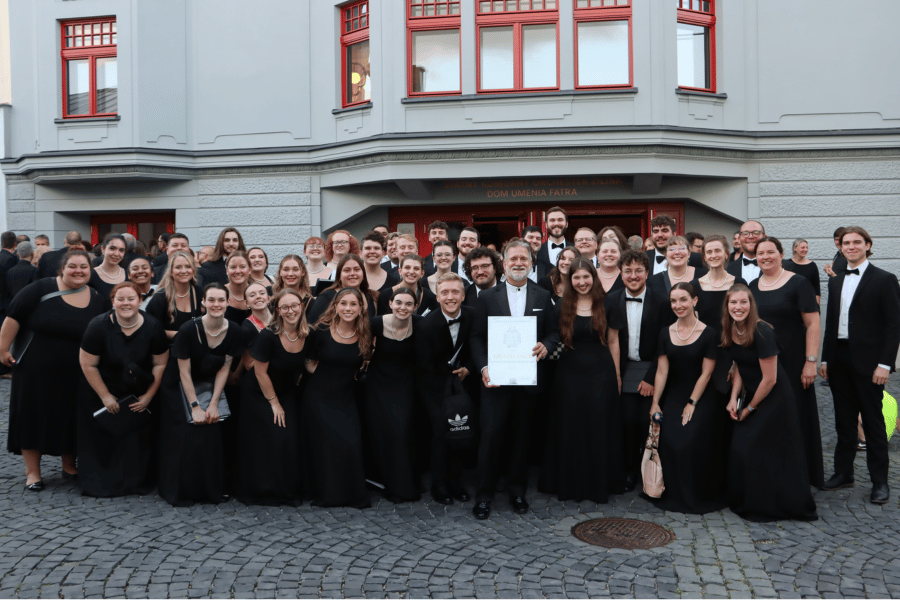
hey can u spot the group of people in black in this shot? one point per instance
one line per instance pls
(365, 365)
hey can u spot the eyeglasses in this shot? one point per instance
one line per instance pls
(756, 233)
(289, 308)
(316, 247)
(340, 242)
(584, 240)
(628, 272)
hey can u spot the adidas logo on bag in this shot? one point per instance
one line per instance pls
(459, 423)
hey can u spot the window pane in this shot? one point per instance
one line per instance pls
(107, 85)
(78, 87)
(359, 85)
(497, 64)
(539, 56)
(693, 56)
(435, 56)
(603, 53)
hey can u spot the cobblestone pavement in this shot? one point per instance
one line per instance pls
(60, 544)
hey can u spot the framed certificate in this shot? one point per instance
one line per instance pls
(510, 343)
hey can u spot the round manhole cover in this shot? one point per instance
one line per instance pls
(629, 534)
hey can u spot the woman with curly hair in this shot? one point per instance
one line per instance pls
(583, 460)
(338, 346)
(338, 245)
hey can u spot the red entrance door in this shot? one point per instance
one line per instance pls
(145, 227)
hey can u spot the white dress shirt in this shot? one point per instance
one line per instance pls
(516, 297)
(533, 275)
(454, 327)
(659, 267)
(634, 311)
(461, 270)
(851, 282)
(554, 252)
(749, 272)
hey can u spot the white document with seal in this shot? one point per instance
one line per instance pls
(511, 341)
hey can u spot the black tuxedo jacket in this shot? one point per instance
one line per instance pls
(430, 268)
(48, 265)
(7, 261)
(471, 299)
(20, 275)
(736, 267)
(388, 266)
(656, 314)
(435, 349)
(494, 303)
(695, 260)
(874, 328)
(543, 258)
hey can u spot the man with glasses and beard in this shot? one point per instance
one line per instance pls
(482, 267)
(746, 266)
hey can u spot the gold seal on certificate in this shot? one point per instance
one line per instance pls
(510, 344)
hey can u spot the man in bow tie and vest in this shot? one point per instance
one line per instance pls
(746, 266)
(862, 334)
(662, 227)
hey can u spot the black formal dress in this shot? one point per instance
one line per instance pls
(427, 300)
(873, 335)
(117, 466)
(20, 275)
(268, 463)
(692, 455)
(332, 430)
(710, 308)
(230, 427)
(810, 271)
(192, 457)
(617, 285)
(102, 287)
(390, 402)
(213, 272)
(42, 403)
(662, 283)
(783, 309)
(768, 479)
(583, 456)
(158, 308)
(7, 261)
(318, 307)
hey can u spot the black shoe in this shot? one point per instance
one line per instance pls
(35, 487)
(837, 482)
(630, 483)
(520, 506)
(441, 495)
(70, 476)
(481, 510)
(861, 444)
(459, 492)
(880, 493)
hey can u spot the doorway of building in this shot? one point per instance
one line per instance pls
(630, 224)
(145, 227)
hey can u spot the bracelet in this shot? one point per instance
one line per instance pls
(272, 398)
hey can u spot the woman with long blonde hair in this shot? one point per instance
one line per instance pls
(177, 298)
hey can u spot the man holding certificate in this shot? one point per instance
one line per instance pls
(510, 335)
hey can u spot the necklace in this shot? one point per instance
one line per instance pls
(713, 283)
(739, 332)
(132, 326)
(346, 337)
(235, 296)
(289, 337)
(678, 278)
(391, 327)
(210, 334)
(774, 283)
(684, 339)
(105, 272)
(609, 276)
(185, 295)
(322, 268)
(262, 281)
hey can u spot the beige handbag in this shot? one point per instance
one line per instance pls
(651, 467)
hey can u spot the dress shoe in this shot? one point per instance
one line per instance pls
(837, 482)
(520, 506)
(69, 476)
(459, 492)
(35, 487)
(481, 510)
(630, 483)
(441, 495)
(880, 493)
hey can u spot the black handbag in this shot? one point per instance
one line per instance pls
(461, 414)
(125, 422)
(204, 391)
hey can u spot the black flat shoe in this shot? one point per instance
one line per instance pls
(630, 483)
(459, 492)
(441, 495)
(881, 493)
(481, 510)
(35, 487)
(70, 476)
(837, 482)
(520, 506)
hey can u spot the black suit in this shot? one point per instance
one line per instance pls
(873, 338)
(507, 406)
(543, 258)
(50, 262)
(472, 295)
(656, 315)
(20, 275)
(736, 268)
(434, 352)
(7, 261)
(429, 268)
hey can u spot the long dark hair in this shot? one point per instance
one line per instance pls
(570, 303)
(363, 285)
(729, 324)
(555, 275)
(219, 251)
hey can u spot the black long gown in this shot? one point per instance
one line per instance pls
(158, 308)
(390, 403)
(332, 431)
(191, 457)
(238, 316)
(767, 475)
(103, 288)
(709, 309)
(110, 466)
(42, 405)
(583, 457)
(782, 309)
(268, 463)
(692, 455)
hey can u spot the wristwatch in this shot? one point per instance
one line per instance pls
(195, 404)
(693, 402)
(812, 359)
(750, 408)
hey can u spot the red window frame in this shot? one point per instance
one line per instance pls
(593, 14)
(433, 22)
(353, 31)
(703, 14)
(91, 53)
(515, 19)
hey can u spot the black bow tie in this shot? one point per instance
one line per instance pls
(452, 321)
(630, 299)
(852, 271)
(750, 261)
(660, 259)
(555, 246)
